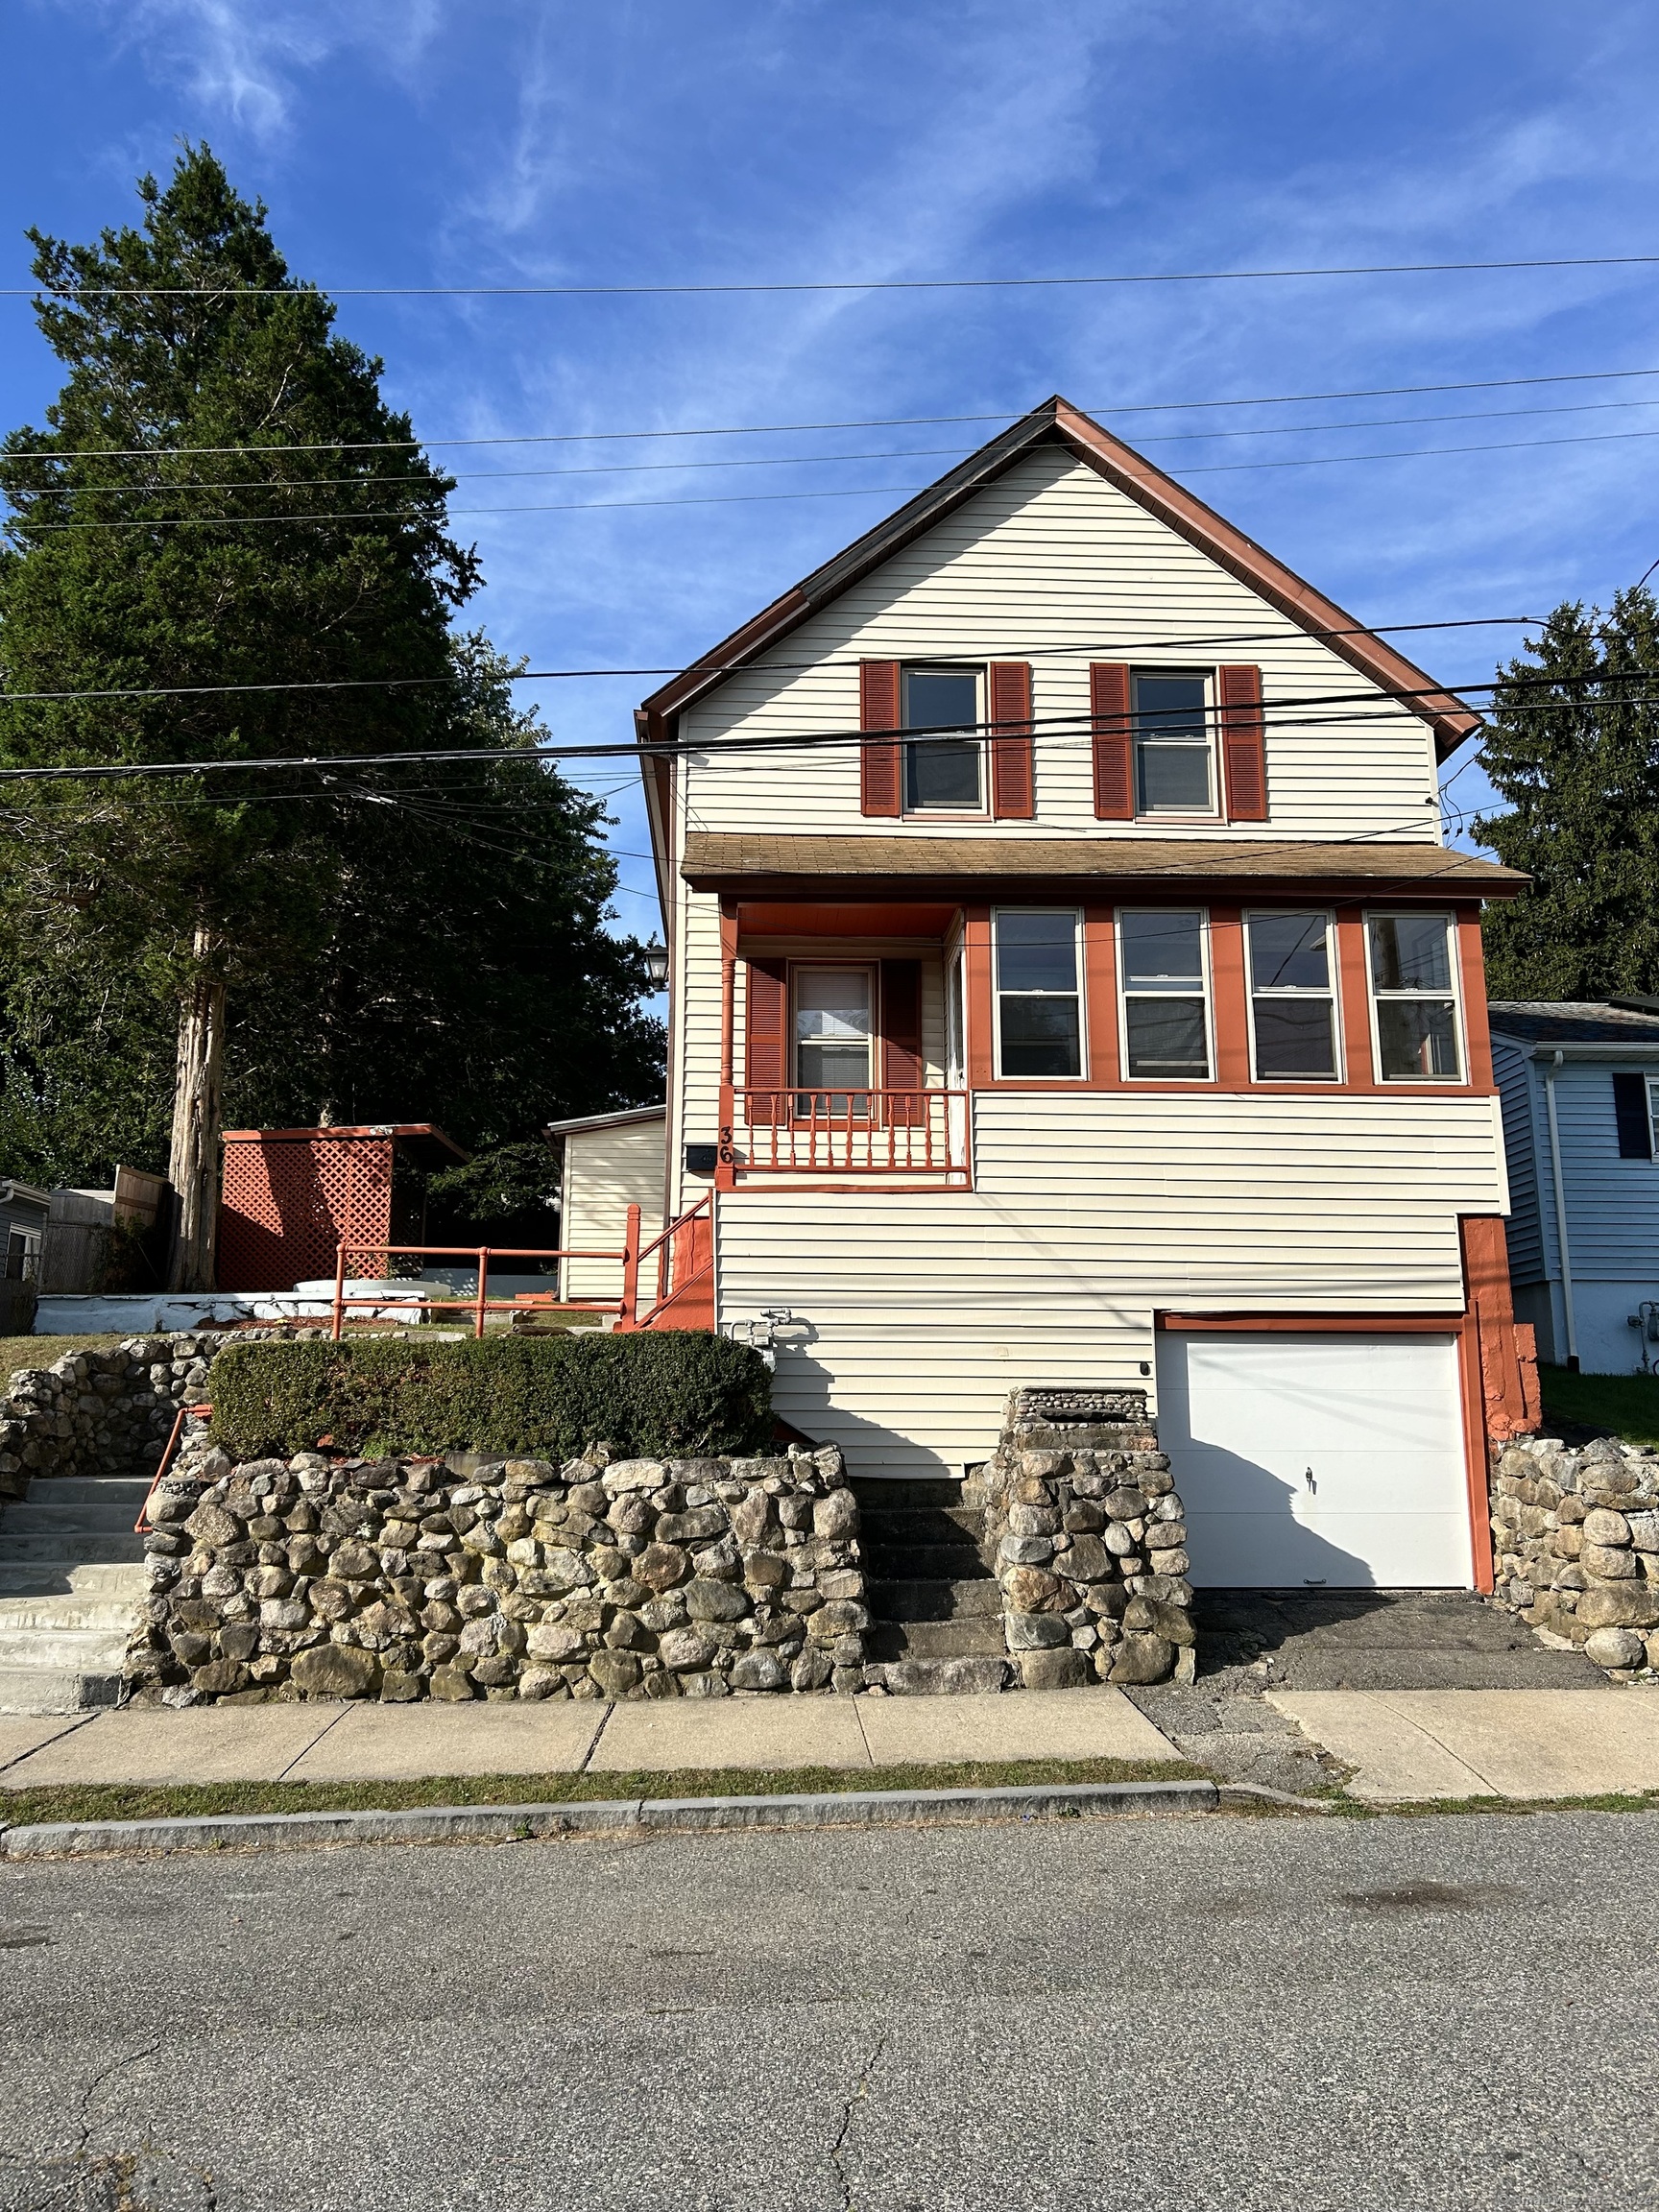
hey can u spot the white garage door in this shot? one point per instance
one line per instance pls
(1315, 1460)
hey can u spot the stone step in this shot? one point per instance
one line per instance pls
(922, 1563)
(108, 1546)
(56, 1689)
(880, 1492)
(79, 1578)
(971, 1639)
(961, 1600)
(942, 1677)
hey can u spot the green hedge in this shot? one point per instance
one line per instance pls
(675, 1390)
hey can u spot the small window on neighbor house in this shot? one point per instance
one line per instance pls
(1635, 1098)
(1039, 1001)
(1173, 751)
(1414, 991)
(1165, 1015)
(944, 774)
(22, 1256)
(1653, 1115)
(1292, 1001)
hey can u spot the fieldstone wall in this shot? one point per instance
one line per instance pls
(1087, 1537)
(103, 1412)
(1576, 1539)
(327, 1576)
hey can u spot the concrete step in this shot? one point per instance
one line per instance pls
(123, 1490)
(971, 1639)
(56, 1689)
(880, 1492)
(920, 1523)
(68, 1609)
(942, 1677)
(83, 1650)
(78, 1577)
(961, 1600)
(76, 1522)
(108, 1546)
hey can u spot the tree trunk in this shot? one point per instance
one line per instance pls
(193, 1163)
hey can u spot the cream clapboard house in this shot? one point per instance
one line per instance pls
(1124, 1026)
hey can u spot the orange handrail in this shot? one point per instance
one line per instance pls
(481, 1304)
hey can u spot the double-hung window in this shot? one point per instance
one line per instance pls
(833, 1034)
(1292, 998)
(1039, 998)
(1174, 772)
(1161, 954)
(944, 773)
(1414, 997)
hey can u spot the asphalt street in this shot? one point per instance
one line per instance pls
(1185, 2013)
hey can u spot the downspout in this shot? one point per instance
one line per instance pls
(1549, 1074)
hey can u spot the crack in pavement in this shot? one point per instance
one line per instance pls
(85, 2119)
(860, 2090)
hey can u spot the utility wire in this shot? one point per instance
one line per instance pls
(428, 484)
(1116, 646)
(218, 292)
(753, 499)
(854, 423)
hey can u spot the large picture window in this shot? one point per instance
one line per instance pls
(1174, 772)
(944, 774)
(1292, 998)
(1039, 1000)
(832, 1039)
(1414, 997)
(1166, 1012)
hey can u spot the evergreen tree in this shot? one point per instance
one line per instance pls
(1574, 751)
(220, 497)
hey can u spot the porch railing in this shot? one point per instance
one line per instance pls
(479, 1304)
(912, 1133)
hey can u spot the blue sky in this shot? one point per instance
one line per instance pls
(425, 142)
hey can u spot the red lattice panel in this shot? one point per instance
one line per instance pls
(288, 1201)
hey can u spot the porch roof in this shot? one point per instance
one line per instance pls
(887, 867)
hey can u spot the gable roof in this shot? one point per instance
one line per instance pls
(1057, 422)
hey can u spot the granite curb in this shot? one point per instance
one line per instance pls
(522, 1823)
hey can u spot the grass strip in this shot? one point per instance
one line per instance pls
(21, 1808)
(1622, 1404)
(1436, 1808)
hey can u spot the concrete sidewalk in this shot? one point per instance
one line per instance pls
(352, 1742)
(1406, 1746)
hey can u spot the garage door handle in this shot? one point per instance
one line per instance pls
(1307, 1478)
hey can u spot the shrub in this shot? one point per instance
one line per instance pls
(676, 1390)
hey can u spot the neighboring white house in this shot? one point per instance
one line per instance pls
(1072, 987)
(1580, 1085)
(610, 1162)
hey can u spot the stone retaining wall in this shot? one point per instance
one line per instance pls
(1576, 1539)
(327, 1576)
(104, 1412)
(1087, 1537)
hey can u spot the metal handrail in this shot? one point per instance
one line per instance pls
(183, 1416)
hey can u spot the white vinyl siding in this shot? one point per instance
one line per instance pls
(1053, 565)
(1090, 1212)
(607, 1170)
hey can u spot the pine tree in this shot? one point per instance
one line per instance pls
(220, 497)
(1574, 752)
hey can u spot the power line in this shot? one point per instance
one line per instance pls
(753, 498)
(850, 422)
(156, 491)
(1115, 645)
(218, 292)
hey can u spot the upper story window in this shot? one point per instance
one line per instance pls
(1038, 998)
(1293, 998)
(1174, 753)
(1162, 960)
(944, 774)
(1414, 997)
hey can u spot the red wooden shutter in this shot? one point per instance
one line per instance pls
(1013, 770)
(1114, 741)
(1243, 743)
(766, 1040)
(878, 708)
(902, 1063)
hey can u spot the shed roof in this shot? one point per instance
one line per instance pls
(613, 1121)
(1574, 1021)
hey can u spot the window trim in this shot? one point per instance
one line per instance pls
(1211, 1075)
(1216, 811)
(1652, 1096)
(1079, 995)
(979, 671)
(1332, 992)
(1454, 939)
(796, 1089)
